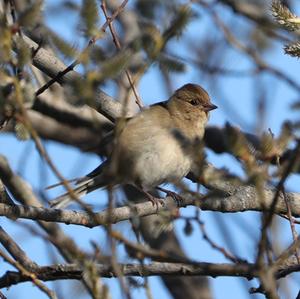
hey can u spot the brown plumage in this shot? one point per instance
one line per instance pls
(153, 147)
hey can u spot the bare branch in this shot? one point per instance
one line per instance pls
(74, 271)
(244, 199)
(55, 272)
(51, 65)
(15, 251)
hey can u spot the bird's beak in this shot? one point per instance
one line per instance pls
(209, 107)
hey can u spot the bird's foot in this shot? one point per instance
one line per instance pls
(177, 198)
(155, 201)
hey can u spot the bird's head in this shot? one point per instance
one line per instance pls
(193, 97)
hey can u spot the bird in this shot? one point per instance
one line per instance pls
(153, 147)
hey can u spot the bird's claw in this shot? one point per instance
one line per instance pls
(155, 201)
(177, 198)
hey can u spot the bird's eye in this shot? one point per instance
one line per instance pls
(194, 102)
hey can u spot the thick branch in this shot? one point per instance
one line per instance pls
(75, 271)
(15, 251)
(52, 66)
(71, 271)
(239, 199)
(15, 184)
(243, 199)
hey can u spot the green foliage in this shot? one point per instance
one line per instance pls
(170, 64)
(290, 22)
(30, 16)
(284, 16)
(113, 66)
(293, 49)
(154, 41)
(21, 131)
(23, 52)
(89, 17)
(5, 41)
(69, 51)
(267, 145)
(6, 87)
(84, 91)
(27, 89)
(286, 135)
(97, 54)
(148, 8)
(271, 147)
(237, 144)
(179, 22)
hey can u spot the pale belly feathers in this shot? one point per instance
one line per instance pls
(160, 162)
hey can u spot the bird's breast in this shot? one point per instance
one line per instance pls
(159, 159)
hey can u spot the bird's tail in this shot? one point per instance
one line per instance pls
(94, 180)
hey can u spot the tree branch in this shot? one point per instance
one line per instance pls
(15, 251)
(75, 271)
(51, 66)
(244, 199)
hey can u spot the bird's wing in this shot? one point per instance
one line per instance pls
(94, 180)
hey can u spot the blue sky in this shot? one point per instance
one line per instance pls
(238, 95)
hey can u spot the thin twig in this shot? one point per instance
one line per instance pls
(292, 222)
(42, 151)
(2, 296)
(77, 61)
(16, 251)
(287, 253)
(114, 260)
(279, 188)
(118, 46)
(29, 274)
(214, 245)
(232, 40)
